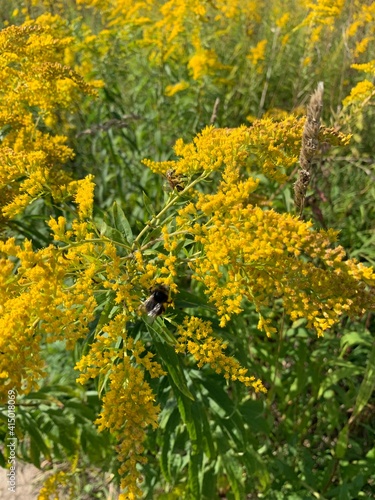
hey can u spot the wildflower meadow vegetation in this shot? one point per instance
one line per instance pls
(187, 208)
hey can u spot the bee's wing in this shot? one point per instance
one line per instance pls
(157, 310)
(148, 304)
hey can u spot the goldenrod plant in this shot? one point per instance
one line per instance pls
(178, 315)
(35, 86)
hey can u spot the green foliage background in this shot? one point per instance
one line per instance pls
(312, 435)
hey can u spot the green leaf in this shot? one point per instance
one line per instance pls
(172, 363)
(195, 465)
(195, 432)
(351, 339)
(170, 421)
(160, 331)
(209, 484)
(38, 446)
(102, 382)
(113, 234)
(219, 395)
(105, 314)
(234, 474)
(342, 442)
(254, 412)
(148, 204)
(207, 439)
(367, 386)
(335, 376)
(121, 223)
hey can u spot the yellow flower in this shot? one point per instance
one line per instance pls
(31, 160)
(203, 63)
(360, 93)
(283, 20)
(84, 195)
(51, 485)
(273, 144)
(248, 252)
(257, 53)
(196, 337)
(171, 90)
(128, 409)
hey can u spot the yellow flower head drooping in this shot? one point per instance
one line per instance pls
(195, 337)
(128, 409)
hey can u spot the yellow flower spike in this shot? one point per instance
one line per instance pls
(210, 351)
(84, 196)
(128, 409)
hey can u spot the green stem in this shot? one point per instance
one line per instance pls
(155, 219)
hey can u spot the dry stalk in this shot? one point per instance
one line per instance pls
(309, 147)
(214, 111)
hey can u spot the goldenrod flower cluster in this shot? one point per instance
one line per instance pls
(83, 196)
(322, 13)
(363, 25)
(164, 29)
(364, 92)
(248, 253)
(241, 250)
(128, 409)
(270, 145)
(188, 34)
(34, 86)
(52, 484)
(41, 295)
(128, 404)
(53, 293)
(195, 336)
(257, 54)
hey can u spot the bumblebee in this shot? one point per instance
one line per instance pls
(155, 305)
(175, 181)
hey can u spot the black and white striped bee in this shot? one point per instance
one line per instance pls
(155, 305)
